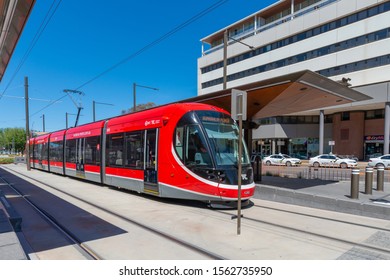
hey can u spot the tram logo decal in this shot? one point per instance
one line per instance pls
(152, 122)
(84, 133)
(244, 177)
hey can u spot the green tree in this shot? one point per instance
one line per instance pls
(12, 139)
(139, 107)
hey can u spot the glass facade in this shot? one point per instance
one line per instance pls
(301, 147)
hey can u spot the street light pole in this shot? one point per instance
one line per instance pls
(134, 101)
(27, 124)
(43, 122)
(94, 110)
(66, 118)
(134, 94)
(226, 37)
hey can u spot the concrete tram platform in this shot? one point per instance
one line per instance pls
(327, 195)
(10, 221)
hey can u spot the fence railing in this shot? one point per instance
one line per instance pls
(253, 31)
(321, 173)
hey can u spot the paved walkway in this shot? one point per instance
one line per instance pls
(10, 247)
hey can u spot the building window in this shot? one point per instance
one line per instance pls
(328, 119)
(382, 8)
(345, 116)
(338, 70)
(290, 120)
(375, 114)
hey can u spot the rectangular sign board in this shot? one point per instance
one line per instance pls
(239, 103)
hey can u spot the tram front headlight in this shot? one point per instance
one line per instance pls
(221, 176)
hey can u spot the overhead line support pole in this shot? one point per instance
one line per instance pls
(27, 124)
(225, 41)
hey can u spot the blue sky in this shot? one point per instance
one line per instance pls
(86, 38)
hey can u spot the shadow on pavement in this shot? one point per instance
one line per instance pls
(293, 183)
(83, 224)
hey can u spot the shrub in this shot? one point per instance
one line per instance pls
(6, 160)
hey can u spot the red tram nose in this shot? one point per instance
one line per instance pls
(247, 191)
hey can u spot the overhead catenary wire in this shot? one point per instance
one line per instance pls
(48, 105)
(157, 41)
(145, 48)
(22, 97)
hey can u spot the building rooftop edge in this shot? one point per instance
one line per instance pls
(243, 19)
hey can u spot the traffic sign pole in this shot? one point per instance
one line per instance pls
(238, 110)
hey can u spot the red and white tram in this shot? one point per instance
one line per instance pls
(56, 152)
(184, 150)
(40, 149)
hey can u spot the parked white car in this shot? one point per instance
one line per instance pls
(330, 160)
(380, 161)
(281, 159)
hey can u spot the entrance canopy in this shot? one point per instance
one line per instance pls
(288, 94)
(13, 17)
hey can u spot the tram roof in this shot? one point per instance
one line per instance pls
(288, 94)
(14, 15)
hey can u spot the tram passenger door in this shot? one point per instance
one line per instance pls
(150, 166)
(80, 147)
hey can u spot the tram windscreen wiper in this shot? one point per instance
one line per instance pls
(223, 156)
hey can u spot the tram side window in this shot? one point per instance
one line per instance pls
(31, 151)
(179, 140)
(70, 150)
(114, 153)
(134, 150)
(37, 151)
(150, 149)
(44, 152)
(92, 150)
(56, 151)
(196, 152)
(190, 145)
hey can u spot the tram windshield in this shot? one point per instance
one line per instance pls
(204, 139)
(223, 136)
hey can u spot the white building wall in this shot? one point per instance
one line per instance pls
(373, 82)
(308, 21)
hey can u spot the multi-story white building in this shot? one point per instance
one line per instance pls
(343, 40)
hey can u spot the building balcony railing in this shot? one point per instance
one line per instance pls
(253, 31)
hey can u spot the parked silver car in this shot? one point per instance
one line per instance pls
(331, 160)
(281, 159)
(380, 161)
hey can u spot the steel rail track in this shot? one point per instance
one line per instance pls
(167, 236)
(89, 253)
(299, 230)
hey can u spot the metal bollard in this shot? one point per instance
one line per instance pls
(368, 181)
(259, 168)
(355, 183)
(380, 178)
